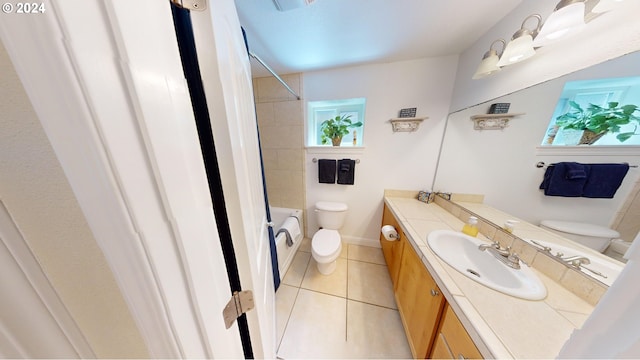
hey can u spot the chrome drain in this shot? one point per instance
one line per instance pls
(473, 272)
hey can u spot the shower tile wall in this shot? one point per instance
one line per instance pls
(281, 122)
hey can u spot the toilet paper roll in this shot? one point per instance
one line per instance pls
(389, 233)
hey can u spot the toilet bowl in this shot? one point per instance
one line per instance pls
(326, 243)
(326, 246)
(594, 236)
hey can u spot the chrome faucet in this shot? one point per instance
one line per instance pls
(511, 259)
(483, 247)
(577, 260)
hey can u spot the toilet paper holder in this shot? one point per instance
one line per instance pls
(390, 233)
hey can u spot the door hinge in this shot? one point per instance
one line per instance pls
(240, 303)
(197, 5)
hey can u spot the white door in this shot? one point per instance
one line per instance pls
(106, 81)
(226, 75)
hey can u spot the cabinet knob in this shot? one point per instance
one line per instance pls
(434, 292)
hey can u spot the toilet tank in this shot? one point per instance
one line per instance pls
(331, 215)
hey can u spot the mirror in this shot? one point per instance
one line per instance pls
(501, 164)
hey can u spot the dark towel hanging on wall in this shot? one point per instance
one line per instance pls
(346, 171)
(561, 180)
(572, 179)
(604, 180)
(327, 171)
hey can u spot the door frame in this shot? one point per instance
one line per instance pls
(124, 133)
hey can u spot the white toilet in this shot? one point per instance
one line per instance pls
(594, 236)
(326, 244)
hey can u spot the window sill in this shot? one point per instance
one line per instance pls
(335, 149)
(587, 150)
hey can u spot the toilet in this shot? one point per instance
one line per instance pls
(594, 236)
(326, 243)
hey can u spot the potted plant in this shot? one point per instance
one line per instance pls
(596, 121)
(336, 128)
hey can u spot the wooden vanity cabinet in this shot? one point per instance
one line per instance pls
(453, 341)
(433, 330)
(419, 301)
(392, 250)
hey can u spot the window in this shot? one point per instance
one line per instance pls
(319, 111)
(573, 122)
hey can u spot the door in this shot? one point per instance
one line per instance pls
(226, 74)
(111, 96)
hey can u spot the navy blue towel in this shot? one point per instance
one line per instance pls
(346, 171)
(576, 170)
(604, 180)
(327, 171)
(558, 182)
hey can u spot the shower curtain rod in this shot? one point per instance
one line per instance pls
(274, 74)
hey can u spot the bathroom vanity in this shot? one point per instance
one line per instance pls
(447, 315)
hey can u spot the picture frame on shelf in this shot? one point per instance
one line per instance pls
(407, 113)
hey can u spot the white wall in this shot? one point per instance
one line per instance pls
(501, 163)
(388, 160)
(606, 37)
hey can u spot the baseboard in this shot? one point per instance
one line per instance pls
(360, 241)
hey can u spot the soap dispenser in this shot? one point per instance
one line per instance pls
(471, 227)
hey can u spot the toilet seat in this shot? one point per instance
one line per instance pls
(581, 228)
(325, 243)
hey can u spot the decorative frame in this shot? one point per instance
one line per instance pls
(408, 113)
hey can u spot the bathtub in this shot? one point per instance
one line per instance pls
(285, 253)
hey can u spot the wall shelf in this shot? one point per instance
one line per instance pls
(406, 124)
(492, 121)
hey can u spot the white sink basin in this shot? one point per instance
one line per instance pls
(461, 252)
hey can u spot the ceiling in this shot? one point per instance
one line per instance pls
(337, 33)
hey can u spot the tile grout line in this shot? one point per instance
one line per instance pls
(288, 319)
(346, 302)
(298, 287)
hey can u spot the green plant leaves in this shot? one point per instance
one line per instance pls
(337, 127)
(599, 119)
(624, 136)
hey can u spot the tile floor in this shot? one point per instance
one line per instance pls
(349, 314)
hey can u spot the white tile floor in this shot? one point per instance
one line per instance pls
(349, 314)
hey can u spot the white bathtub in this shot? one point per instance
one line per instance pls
(285, 253)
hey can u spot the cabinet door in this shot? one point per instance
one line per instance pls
(419, 302)
(392, 250)
(440, 348)
(455, 338)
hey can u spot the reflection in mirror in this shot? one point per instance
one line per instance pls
(501, 164)
(596, 112)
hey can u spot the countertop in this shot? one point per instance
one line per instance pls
(502, 326)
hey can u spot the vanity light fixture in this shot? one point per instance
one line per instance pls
(521, 45)
(606, 5)
(566, 18)
(489, 64)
